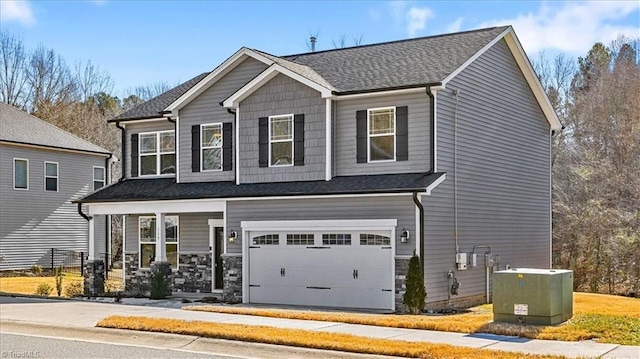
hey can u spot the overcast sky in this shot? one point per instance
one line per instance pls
(143, 42)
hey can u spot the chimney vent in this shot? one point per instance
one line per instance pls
(313, 43)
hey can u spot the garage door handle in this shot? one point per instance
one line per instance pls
(282, 272)
(355, 274)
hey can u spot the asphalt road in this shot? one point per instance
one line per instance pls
(28, 346)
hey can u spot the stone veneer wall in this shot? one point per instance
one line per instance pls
(402, 267)
(232, 278)
(136, 280)
(193, 274)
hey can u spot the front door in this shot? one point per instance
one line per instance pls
(217, 258)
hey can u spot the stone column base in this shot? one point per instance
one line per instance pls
(93, 273)
(232, 279)
(163, 269)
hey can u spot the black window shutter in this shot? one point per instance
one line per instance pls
(402, 133)
(195, 148)
(227, 147)
(134, 155)
(298, 140)
(263, 141)
(361, 136)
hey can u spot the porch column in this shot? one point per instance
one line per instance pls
(92, 240)
(161, 240)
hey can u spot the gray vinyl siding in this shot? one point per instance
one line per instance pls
(139, 127)
(345, 135)
(34, 221)
(503, 175)
(280, 96)
(205, 109)
(401, 208)
(193, 230)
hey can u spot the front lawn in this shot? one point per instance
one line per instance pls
(604, 318)
(27, 284)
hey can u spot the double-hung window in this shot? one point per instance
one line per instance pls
(157, 151)
(211, 147)
(20, 174)
(281, 140)
(147, 239)
(51, 176)
(98, 177)
(382, 134)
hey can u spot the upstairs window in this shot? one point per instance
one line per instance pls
(211, 147)
(51, 176)
(382, 134)
(157, 153)
(20, 174)
(281, 140)
(98, 177)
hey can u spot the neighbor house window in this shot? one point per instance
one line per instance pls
(211, 147)
(281, 140)
(147, 233)
(382, 134)
(98, 178)
(20, 173)
(157, 153)
(51, 176)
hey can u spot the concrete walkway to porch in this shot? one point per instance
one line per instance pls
(85, 314)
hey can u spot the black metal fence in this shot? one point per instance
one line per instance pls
(69, 261)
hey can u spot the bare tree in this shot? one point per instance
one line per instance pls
(49, 79)
(149, 91)
(342, 41)
(13, 89)
(90, 80)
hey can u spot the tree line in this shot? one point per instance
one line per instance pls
(595, 159)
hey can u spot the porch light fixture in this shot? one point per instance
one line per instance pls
(404, 236)
(232, 236)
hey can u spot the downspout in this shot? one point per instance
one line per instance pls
(416, 200)
(88, 218)
(123, 140)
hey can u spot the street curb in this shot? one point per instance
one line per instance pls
(238, 349)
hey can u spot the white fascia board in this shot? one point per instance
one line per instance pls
(234, 100)
(138, 207)
(124, 123)
(359, 224)
(47, 148)
(435, 184)
(525, 67)
(223, 69)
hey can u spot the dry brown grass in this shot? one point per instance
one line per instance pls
(28, 285)
(307, 339)
(606, 318)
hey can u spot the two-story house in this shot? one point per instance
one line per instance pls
(42, 170)
(311, 179)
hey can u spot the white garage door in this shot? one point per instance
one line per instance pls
(331, 268)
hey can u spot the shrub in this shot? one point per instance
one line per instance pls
(58, 273)
(36, 270)
(416, 294)
(74, 289)
(159, 286)
(44, 289)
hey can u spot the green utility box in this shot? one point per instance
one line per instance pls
(533, 296)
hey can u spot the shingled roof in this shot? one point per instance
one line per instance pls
(154, 107)
(390, 65)
(17, 126)
(168, 189)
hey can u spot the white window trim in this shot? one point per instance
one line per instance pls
(293, 131)
(57, 176)
(202, 147)
(104, 174)
(369, 135)
(14, 174)
(155, 241)
(158, 153)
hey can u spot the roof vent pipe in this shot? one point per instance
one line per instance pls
(313, 43)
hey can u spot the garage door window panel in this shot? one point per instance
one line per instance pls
(300, 239)
(336, 239)
(266, 239)
(368, 239)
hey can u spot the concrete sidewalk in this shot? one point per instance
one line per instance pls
(84, 314)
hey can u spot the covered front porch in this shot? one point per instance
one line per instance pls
(185, 240)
